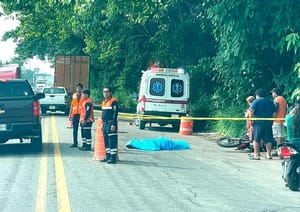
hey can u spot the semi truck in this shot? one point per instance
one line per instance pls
(71, 70)
(10, 71)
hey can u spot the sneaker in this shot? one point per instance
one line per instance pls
(73, 146)
(254, 157)
(251, 154)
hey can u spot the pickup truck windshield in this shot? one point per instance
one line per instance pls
(14, 89)
(54, 91)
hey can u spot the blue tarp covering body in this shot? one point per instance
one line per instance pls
(155, 144)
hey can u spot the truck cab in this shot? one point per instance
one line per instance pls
(20, 113)
(10, 71)
(163, 97)
(40, 84)
(55, 100)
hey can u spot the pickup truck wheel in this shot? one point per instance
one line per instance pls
(36, 143)
(175, 127)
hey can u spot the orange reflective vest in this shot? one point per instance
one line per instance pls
(76, 105)
(74, 96)
(87, 111)
(110, 110)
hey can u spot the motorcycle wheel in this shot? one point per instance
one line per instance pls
(229, 142)
(293, 179)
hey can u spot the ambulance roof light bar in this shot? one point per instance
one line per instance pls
(174, 70)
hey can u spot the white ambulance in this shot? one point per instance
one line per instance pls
(163, 97)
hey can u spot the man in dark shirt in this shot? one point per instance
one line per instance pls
(262, 107)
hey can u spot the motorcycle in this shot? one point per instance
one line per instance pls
(290, 161)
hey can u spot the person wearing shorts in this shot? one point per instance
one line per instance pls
(261, 108)
(278, 132)
(281, 109)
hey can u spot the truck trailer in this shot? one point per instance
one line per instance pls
(71, 70)
(10, 71)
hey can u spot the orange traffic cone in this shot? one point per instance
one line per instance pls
(99, 149)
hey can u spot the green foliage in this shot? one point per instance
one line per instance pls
(293, 41)
(248, 57)
(229, 48)
(230, 127)
(127, 102)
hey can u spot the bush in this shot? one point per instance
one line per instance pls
(200, 108)
(230, 128)
(127, 102)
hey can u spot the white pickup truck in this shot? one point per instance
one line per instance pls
(55, 100)
(40, 84)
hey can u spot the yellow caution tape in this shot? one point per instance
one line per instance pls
(132, 116)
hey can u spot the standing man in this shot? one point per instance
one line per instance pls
(110, 123)
(86, 120)
(262, 107)
(281, 109)
(74, 113)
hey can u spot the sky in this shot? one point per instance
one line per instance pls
(7, 48)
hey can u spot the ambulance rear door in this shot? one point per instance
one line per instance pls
(167, 94)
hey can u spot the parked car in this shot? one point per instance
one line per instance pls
(20, 112)
(55, 100)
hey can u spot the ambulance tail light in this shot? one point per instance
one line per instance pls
(143, 102)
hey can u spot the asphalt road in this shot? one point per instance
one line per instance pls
(204, 178)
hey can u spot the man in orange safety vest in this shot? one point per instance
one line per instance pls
(74, 113)
(86, 120)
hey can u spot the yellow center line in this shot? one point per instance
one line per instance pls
(41, 197)
(61, 187)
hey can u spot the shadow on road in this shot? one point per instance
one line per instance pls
(17, 149)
